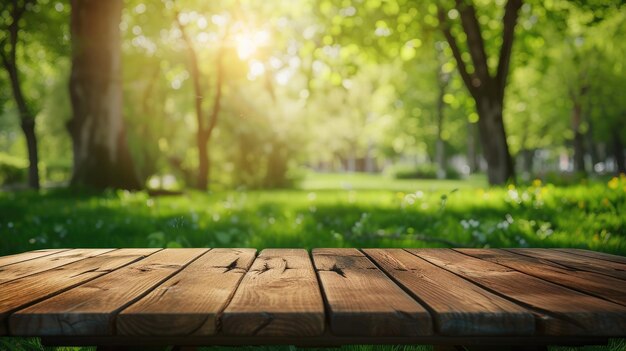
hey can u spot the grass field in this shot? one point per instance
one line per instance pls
(327, 210)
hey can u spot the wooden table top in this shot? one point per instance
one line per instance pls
(402, 293)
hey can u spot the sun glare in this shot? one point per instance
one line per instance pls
(247, 43)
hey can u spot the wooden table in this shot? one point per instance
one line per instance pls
(326, 297)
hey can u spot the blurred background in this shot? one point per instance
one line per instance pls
(312, 123)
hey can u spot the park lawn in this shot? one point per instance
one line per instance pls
(327, 210)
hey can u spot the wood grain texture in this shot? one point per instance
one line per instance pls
(25, 291)
(25, 256)
(459, 308)
(560, 311)
(608, 288)
(613, 269)
(362, 300)
(30, 267)
(278, 296)
(595, 254)
(89, 309)
(189, 302)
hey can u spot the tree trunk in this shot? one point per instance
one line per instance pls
(27, 122)
(528, 156)
(591, 145)
(28, 126)
(27, 116)
(101, 155)
(618, 151)
(493, 141)
(579, 141)
(440, 147)
(203, 161)
(276, 175)
(472, 152)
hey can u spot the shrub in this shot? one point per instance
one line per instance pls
(421, 171)
(12, 169)
(453, 173)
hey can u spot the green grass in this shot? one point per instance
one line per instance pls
(328, 210)
(356, 211)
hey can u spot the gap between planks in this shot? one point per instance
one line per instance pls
(91, 308)
(559, 310)
(590, 283)
(458, 306)
(26, 256)
(26, 291)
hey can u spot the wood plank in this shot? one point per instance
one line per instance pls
(362, 300)
(613, 269)
(25, 256)
(560, 311)
(189, 302)
(278, 296)
(26, 268)
(608, 288)
(25, 291)
(89, 309)
(595, 254)
(459, 307)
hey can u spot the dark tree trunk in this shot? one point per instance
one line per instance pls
(27, 122)
(528, 157)
(486, 89)
(202, 182)
(618, 151)
(579, 153)
(472, 148)
(493, 141)
(28, 126)
(440, 147)
(101, 155)
(591, 145)
(277, 166)
(579, 141)
(27, 117)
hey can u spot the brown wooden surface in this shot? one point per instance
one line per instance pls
(561, 311)
(583, 263)
(89, 309)
(44, 263)
(599, 285)
(225, 296)
(279, 295)
(25, 291)
(25, 256)
(459, 307)
(595, 254)
(362, 300)
(190, 301)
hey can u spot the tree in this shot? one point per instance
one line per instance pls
(486, 89)
(8, 54)
(101, 155)
(444, 81)
(204, 128)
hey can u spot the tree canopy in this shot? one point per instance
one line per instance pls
(246, 93)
